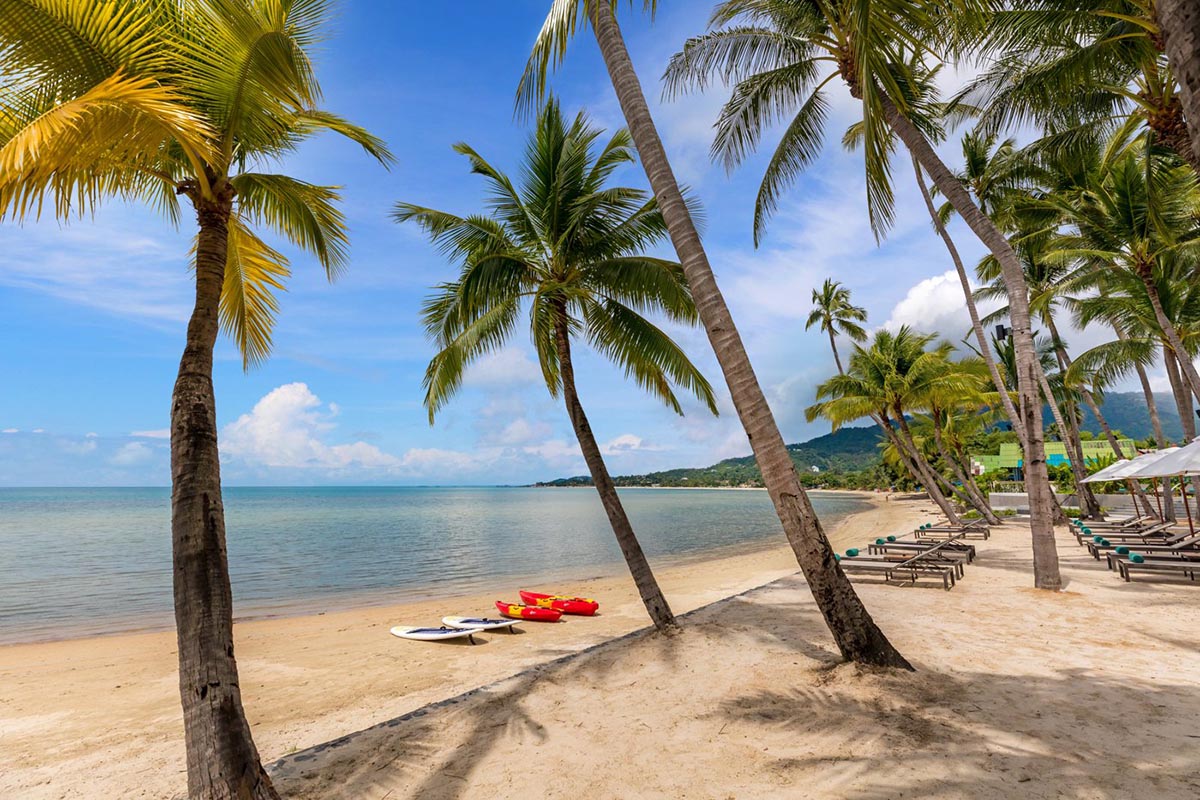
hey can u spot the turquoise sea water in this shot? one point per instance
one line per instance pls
(99, 560)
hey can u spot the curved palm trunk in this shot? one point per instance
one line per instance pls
(1064, 362)
(631, 548)
(222, 761)
(985, 350)
(924, 470)
(969, 488)
(1183, 403)
(836, 358)
(1070, 438)
(1170, 332)
(966, 467)
(1160, 437)
(1037, 480)
(857, 636)
(1180, 24)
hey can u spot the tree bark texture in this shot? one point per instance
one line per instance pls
(631, 548)
(1179, 21)
(855, 632)
(222, 761)
(1037, 481)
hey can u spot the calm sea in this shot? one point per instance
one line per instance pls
(99, 560)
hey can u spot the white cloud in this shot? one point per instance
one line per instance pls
(286, 428)
(161, 433)
(79, 448)
(131, 455)
(627, 443)
(11, 430)
(507, 367)
(39, 430)
(935, 305)
(433, 461)
(519, 431)
(91, 435)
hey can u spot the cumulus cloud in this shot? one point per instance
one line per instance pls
(287, 428)
(627, 443)
(935, 305)
(132, 455)
(507, 367)
(160, 433)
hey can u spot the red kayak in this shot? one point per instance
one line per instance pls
(582, 606)
(518, 611)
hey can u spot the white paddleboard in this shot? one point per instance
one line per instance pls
(432, 634)
(480, 623)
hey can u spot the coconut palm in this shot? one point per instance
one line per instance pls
(572, 249)
(1179, 21)
(1139, 217)
(780, 56)
(156, 101)
(895, 376)
(834, 313)
(857, 636)
(1070, 66)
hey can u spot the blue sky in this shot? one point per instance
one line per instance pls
(92, 313)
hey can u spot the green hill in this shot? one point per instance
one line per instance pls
(851, 450)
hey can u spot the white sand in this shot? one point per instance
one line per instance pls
(1091, 693)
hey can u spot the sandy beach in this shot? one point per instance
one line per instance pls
(99, 717)
(1089, 693)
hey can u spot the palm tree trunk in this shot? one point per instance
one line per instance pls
(1037, 480)
(1064, 361)
(836, 358)
(1160, 438)
(857, 636)
(1179, 21)
(965, 463)
(985, 350)
(969, 487)
(1184, 360)
(1183, 402)
(925, 472)
(222, 761)
(639, 567)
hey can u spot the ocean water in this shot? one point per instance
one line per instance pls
(78, 561)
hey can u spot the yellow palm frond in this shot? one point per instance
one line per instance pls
(111, 139)
(78, 43)
(304, 213)
(254, 272)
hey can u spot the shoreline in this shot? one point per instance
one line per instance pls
(398, 597)
(99, 716)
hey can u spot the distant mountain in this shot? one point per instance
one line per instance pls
(847, 449)
(851, 449)
(1127, 412)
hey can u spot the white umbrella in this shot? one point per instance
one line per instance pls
(1147, 466)
(1181, 461)
(1108, 473)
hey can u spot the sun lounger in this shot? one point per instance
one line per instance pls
(1186, 568)
(1188, 542)
(907, 570)
(1115, 559)
(972, 529)
(1158, 532)
(953, 549)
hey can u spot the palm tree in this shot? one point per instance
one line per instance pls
(1179, 21)
(856, 634)
(889, 380)
(775, 57)
(573, 249)
(155, 101)
(1139, 217)
(834, 312)
(1071, 66)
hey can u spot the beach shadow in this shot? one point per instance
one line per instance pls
(886, 735)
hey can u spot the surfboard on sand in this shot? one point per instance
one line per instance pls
(480, 623)
(434, 634)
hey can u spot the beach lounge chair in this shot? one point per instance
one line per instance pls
(1184, 542)
(892, 569)
(975, 529)
(1172, 566)
(958, 550)
(1154, 533)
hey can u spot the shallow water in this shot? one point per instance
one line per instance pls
(99, 560)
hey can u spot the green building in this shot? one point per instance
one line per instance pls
(1010, 456)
